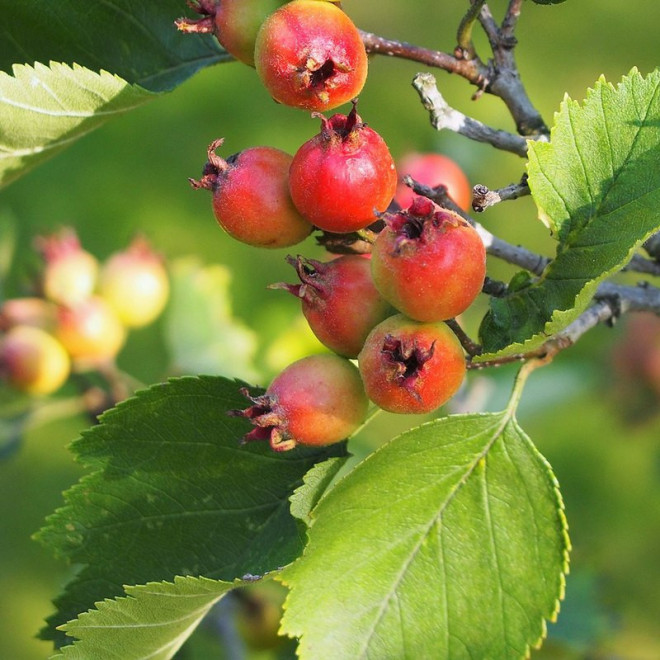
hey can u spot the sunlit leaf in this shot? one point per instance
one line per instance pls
(43, 109)
(597, 187)
(135, 40)
(152, 621)
(448, 542)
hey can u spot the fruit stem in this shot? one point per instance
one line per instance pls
(465, 48)
(470, 346)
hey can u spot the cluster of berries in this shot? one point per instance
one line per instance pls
(386, 309)
(81, 317)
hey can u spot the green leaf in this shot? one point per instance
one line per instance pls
(597, 187)
(175, 493)
(202, 334)
(548, 2)
(153, 621)
(448, 542)
(43, 109)
(135, 40)
(316, 482)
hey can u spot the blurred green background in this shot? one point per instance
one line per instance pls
(131, 175)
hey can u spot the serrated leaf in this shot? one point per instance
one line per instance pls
(202, 333)
(448, 542)
(174, 493)
(43, 109)
(152, 621)
(135, 40)
(315, 483)
(597, 186)
(548, 2)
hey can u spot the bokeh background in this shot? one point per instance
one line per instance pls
(596, 423)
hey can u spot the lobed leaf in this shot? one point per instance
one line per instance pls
(597, 187)
(173, 492)
(153, 621)
(45, 108)
(448, 542)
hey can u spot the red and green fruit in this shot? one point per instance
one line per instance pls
(433, 170)
(310, 55)
(316, 401)
(91, 332)
(235, 23)
(409, 367)
(344, 176)
(428, 262)
(69, 274)
(251, 198)
(32, 360)
(135, 283)
(339, 301)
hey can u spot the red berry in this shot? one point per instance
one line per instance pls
(433, 170)
(343, 176)
(135, 284)
(251, 198)
(32, 360)
(316, 401)
(235, 23)
(90, 332)
(428, 262)
(339, 301)
(410, 367)
(69, 275)
(310, 55)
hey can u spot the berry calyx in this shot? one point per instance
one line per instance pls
(251, 200)
(410, 367)
(316, 401)
(339, 301)
(135, 283)
(69, 275)
(428, 262)
(33, 361)
(433, 170)
(235, 23)
(344, 176)
(310, 55)
(91, 332)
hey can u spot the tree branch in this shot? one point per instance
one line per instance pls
(495, 78)
(514, 254)
(652, 246)
(443, 116)
(483, 197)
